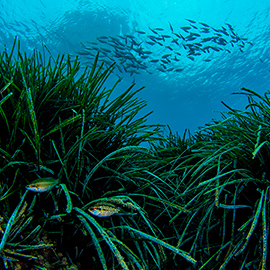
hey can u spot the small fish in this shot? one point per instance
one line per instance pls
(154, 61)
(152, 38)
(104, 210)
(205, 30)
(170, 26)
(164, 61)
(190, 38)
(155, 32)
(204, 24)
(159, 29)
(185, 27)
(42, 184)
(165, 36)
(190, 20)
(140, 32)
(144, 56)
(195, 27)
(175, 41)
(165, 55)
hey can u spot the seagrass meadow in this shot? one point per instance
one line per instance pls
(79, 191)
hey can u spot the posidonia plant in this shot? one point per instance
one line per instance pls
(222, 178)
(92, 190)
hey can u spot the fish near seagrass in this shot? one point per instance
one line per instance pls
(42, 184)
(104, 210)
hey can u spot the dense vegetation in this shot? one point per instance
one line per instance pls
(196, 202)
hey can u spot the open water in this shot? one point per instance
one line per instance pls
(190, 55)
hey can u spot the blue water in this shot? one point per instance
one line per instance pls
(186, 99)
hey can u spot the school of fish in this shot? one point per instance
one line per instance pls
(162, 50)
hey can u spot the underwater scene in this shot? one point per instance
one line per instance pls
(134, 134)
